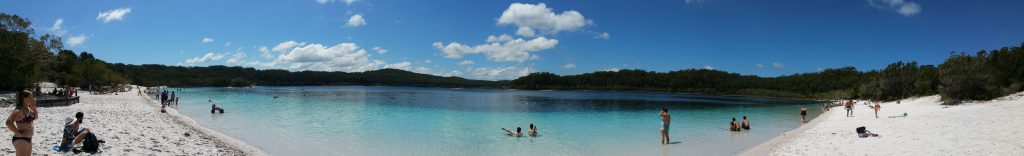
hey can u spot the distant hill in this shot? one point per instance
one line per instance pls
(222, 76)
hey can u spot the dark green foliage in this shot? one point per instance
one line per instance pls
(21, 55)
(221, 76)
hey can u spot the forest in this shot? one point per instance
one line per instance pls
(26, 59)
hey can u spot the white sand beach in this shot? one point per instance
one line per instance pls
(130, 125)
(974, 128)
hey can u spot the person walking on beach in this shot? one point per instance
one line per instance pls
(665, 121)
(803, 114)
(20, 123)
(877, 107)
(849, 108)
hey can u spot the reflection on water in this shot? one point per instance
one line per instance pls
(357, 120)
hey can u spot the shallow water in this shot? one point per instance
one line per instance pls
(362, 120)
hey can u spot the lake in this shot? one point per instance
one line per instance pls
(372, 120)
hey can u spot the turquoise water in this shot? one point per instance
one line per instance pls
(361, 120)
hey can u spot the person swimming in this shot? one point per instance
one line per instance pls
(517, 133)
(746, 123)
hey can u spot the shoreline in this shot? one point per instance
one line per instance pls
(236, 144)
(930, 128)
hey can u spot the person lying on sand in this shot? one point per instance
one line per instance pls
(517, 133)
(533, 130)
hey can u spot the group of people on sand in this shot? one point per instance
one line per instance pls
(519, 131)
(849, 107)
(21, 123)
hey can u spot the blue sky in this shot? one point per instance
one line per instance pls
(506, 39)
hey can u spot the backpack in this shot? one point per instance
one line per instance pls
(861, 130)
(90, 144)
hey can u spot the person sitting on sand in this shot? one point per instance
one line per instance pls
(517, 133)
(533, 130)
(876, 107)
(746, 123)
(73, 133)
(734, 126)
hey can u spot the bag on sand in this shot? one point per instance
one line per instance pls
(90, 144)
(861, 130)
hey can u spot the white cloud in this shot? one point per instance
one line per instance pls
(227, 44)
(205, 58)
(207, 40)
(466, 62)
(379, 50)
(265, 53)
(500, 49)
(404, 65)
(347, 57)
(540, 17)
(112, 15)
(57, 29)
(356, 20)
(77, 40)
(498, 73)
(903, 7)
(285, 46)
(777, 65)
(603, 35)
(525, 31)
(612, 70)
(707, 67)
(569, 66)
(347, 2)
(236, 59)
(759, 65)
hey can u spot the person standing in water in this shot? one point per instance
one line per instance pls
(665, 121)
(803, 113)
(746, 123)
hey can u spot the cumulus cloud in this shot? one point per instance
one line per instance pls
(287, 45)
(265, 52)
(569, 66)
(355, 21)
(466, 62)
(379, 50)
(236, 59)
(603, 35)
(499, 48)
(777, 65)
(347, 57)
(903, 7)
(404, 65)
(540, 17)
(205, 58)
(77, 40)
(612, 70)
(57, 29)
(347, 2)
(498, 73)
(759, 65)
(207, 40)
(112, 15)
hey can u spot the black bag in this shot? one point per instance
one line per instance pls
(861, 130)
(90, 144)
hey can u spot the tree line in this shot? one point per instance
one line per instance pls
(983, 75)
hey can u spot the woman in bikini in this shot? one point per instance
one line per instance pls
(20, 123)
(665, 121)
(876, 107)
